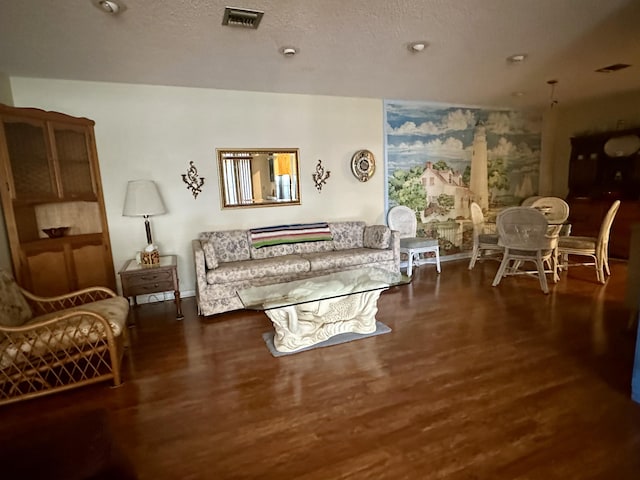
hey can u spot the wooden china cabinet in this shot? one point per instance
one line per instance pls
(50, 179)
(596, 180)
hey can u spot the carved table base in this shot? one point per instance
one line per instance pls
(305, 324)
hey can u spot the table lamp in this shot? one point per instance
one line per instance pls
(143, 200)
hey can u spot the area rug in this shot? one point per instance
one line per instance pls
(381, 329)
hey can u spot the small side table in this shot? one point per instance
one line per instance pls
(140, 279)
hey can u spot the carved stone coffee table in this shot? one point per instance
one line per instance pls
(310, 311)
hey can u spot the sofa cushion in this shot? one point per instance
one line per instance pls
(14, 309)
(312, 247)
(258, 268)
(347, 235)
(209, 254)
(229, 245)
(377, 236)
(271, 251)
(347, 258)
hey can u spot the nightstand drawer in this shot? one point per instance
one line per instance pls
(150, 287)
(147, 278)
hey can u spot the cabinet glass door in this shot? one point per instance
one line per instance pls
(30, 164)
(72, 153)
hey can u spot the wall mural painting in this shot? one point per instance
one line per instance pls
(440, 158)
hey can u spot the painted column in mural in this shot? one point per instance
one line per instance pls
(479, 182)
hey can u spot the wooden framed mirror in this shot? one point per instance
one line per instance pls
(258, 177)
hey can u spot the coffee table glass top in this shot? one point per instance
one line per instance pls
(324, 287)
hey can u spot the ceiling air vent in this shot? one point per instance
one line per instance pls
(613, 68)
(242, 17)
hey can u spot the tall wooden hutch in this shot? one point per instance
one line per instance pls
(51, 178)
(596, 180)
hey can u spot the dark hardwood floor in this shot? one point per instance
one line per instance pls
(473, 382)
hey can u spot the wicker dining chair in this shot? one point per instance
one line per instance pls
(482, 240)
(527, 202)
(524, 234)
(594, 247)
(404, 220)
(555, 209)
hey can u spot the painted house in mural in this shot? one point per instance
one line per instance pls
(438, 182)
(444, 182)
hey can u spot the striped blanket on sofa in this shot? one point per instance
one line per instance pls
(284, 234)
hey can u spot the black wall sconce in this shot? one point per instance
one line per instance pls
(320, 176)
(194, 183)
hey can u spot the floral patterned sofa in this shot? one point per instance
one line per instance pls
(231, 260)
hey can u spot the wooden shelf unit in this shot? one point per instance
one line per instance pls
(49, 165)
(596, 181)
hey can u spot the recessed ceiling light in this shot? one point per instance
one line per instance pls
(109, 6)
(517, 94)
(288, 51)
(417, 46)
(517, 58)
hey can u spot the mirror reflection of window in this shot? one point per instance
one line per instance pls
(237, 179)
(286, 181)
(259, 177)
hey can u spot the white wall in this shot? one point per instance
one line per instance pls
(154, 132)
(597, 115)
(6, 95)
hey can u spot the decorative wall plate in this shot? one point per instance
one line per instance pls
(363, 165)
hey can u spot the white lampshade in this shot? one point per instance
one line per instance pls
(143, 199)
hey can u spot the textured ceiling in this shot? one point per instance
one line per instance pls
(346, 47)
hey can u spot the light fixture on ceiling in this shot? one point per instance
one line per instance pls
(552, 95)
(517, 58)
(288, 51)
(517, 94)
(622, 146)
(109, 6)
(417, 47)
(613, 68)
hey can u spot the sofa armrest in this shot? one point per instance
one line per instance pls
(201, 266)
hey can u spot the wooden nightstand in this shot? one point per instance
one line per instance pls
(144, 280)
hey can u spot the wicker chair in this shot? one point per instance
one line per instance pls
(594, 247)
(403, 219)
(555, 209)
(527, 202)
(482, 241)
(53, 344)
(524, 234)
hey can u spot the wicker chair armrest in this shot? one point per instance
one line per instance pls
(54, 340)
(42, 305)
(64, 316)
